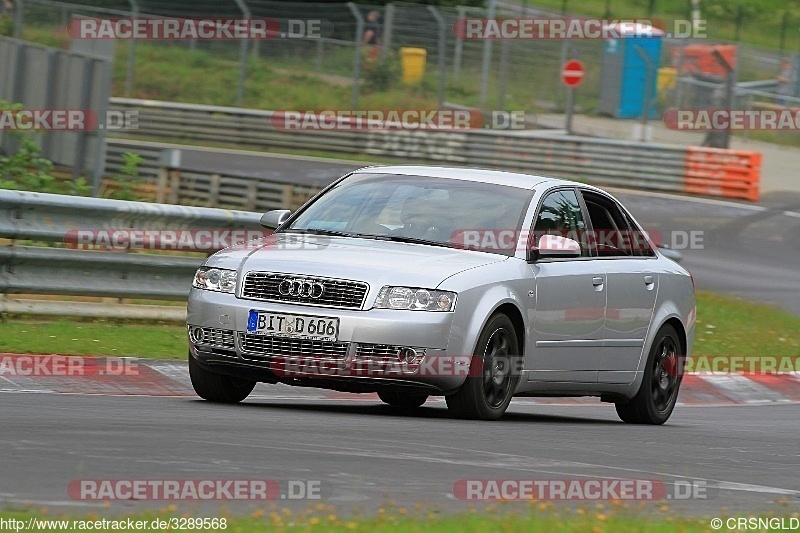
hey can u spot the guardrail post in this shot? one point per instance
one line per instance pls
(18, 9)
(357, 57)
(441, 52)
(646, 100)
(462, 14)
(174, 185)
(168, 176)
(252, 196)
(388, 31)
(129, 70)
(242, 55)
(213, 190)
(487, 58)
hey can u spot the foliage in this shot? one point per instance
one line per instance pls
(6, 26)
(383, 75)
(127, 177)
(26, 169)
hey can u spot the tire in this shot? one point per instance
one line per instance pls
(218, 387)
(492, 379)
(401, 399)
(658, 393)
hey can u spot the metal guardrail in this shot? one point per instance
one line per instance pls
(601, 161)
(52, 218)
(190, 186)
(66, 267)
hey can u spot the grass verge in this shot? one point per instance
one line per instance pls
(106, 337)
(535, 517)
(726, 326)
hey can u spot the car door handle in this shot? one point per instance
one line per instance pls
(597, 280)
(648, 280)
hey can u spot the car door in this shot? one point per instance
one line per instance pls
(569, 315)
(631, 285)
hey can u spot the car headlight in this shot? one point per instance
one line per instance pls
(215, 279)
(413, 299)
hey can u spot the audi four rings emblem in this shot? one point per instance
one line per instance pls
(303, 288)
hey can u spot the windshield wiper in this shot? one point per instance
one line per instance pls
(318, 231)
(394, 238)
(412, 240)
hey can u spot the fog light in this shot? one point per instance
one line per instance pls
(408, 355)
(197, 335)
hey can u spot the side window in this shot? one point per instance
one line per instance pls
(560, 214)
(613, 233)
(639, 239)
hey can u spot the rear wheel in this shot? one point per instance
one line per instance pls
(402, 399)
(658, 393)
(492, 378)
(218, 387)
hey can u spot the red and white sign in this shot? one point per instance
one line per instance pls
(572, 73)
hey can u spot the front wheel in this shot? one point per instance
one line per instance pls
(492, 378)
(218, 387)
(658, 393)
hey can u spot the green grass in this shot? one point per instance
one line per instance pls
(732, 326)
(533, 517)
(725, 326)
(66, 336)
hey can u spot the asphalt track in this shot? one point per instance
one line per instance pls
(365, 454)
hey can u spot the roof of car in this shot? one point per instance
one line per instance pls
(511, 179)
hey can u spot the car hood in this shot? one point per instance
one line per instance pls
(376, 262)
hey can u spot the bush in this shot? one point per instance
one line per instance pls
(27, 170)
(382, 75)
(6, 26)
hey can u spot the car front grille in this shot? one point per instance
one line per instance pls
(378, 351)
(344, 294)
(263, 346)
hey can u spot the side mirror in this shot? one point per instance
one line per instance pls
(555, 247)
(273, 219)
(675, 255)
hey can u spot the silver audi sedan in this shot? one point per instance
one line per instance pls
(475, 285)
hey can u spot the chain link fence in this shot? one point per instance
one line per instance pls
(488, 74)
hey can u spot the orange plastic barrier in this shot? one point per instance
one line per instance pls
(699, 59)
(721, 172)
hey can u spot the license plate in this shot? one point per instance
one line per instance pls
(296, 326)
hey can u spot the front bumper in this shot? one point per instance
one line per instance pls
(364, 358)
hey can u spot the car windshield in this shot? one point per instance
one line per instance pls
(421, 209)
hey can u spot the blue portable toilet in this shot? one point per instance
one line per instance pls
(623, 74)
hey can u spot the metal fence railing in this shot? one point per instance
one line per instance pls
(61, 265)
(502, 74)
(198, 187)
(601, 161)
